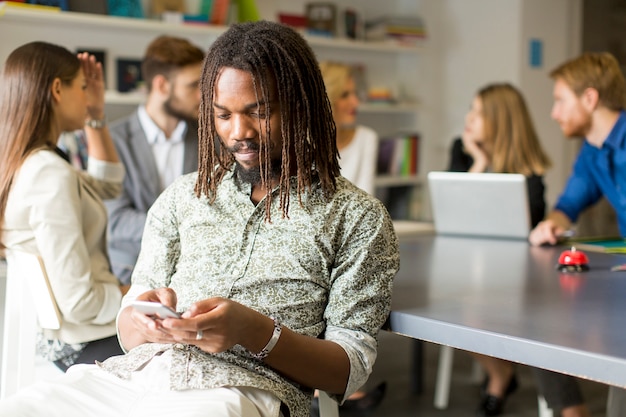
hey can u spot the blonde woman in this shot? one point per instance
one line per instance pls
(357, 144)
(499, 136)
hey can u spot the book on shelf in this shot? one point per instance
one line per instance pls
(61, 4)
(219, 12)
(4, 5)
(321, 18)
(89, 6)
(398, 155)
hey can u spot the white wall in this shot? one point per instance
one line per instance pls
(482, 41)
(558, 24)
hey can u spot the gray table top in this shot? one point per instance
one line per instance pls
(505, 298)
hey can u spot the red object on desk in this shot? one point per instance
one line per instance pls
(573, 260)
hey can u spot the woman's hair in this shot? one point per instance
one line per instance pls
(26, 109)
(336, 76)
(167, 54)
(279, 59)
(597, 70)
(510, 135)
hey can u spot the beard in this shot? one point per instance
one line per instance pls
(252, 175)
(170, 109)
(579, 130)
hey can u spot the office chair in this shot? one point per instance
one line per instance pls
(29, 302)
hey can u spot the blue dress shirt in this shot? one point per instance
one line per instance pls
(599, 172)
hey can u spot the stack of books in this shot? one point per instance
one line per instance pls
(398, 155)
(403, 30)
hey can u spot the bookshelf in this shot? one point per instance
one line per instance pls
(390, 65)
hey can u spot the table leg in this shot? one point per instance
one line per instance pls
(417, 367)
(616, 403)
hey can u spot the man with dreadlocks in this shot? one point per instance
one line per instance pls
(282, 269)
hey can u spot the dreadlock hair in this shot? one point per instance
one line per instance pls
(274, 55)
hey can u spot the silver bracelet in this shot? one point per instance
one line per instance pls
(272, 342)
(96, 123)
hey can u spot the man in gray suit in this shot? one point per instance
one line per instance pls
(156, 144)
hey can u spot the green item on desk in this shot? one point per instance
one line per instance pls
(599, 244)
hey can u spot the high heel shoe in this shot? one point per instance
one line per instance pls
(491, 405)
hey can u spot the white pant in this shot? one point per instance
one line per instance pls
(87, 390)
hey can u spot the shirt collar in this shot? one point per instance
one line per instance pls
(616, 138)
(154, 134)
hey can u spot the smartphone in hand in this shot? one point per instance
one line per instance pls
(154, 309)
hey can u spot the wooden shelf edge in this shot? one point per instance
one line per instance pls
(374, 46)
(76, 19)
(397, 180)
(115, 97)
(409, 108)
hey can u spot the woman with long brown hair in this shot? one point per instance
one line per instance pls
(49, 208)
(499, 136)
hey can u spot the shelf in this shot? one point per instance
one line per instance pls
(397, 180)
(373, 46)
(410, 108)
(115, 97)
(90, 21)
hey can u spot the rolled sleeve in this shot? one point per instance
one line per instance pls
(360, 296)
(361, 349)
(106, 171)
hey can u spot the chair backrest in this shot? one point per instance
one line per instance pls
(29, 301)
(328, 406)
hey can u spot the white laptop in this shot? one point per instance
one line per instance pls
(480, 204)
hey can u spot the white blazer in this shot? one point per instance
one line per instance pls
(57, 212)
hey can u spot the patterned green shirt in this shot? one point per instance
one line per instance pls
(325, 271)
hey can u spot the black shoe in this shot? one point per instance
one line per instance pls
(368, 402)
(492, 405)
(509, 390)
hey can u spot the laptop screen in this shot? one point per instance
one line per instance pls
(480, 204)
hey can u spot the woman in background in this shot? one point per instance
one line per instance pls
(357, 144)
(499, 136)
(50, 209)
(358, 152)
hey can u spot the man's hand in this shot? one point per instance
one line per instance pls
(137, 328)
(549, 230)
(217, 324)
(545, 232)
